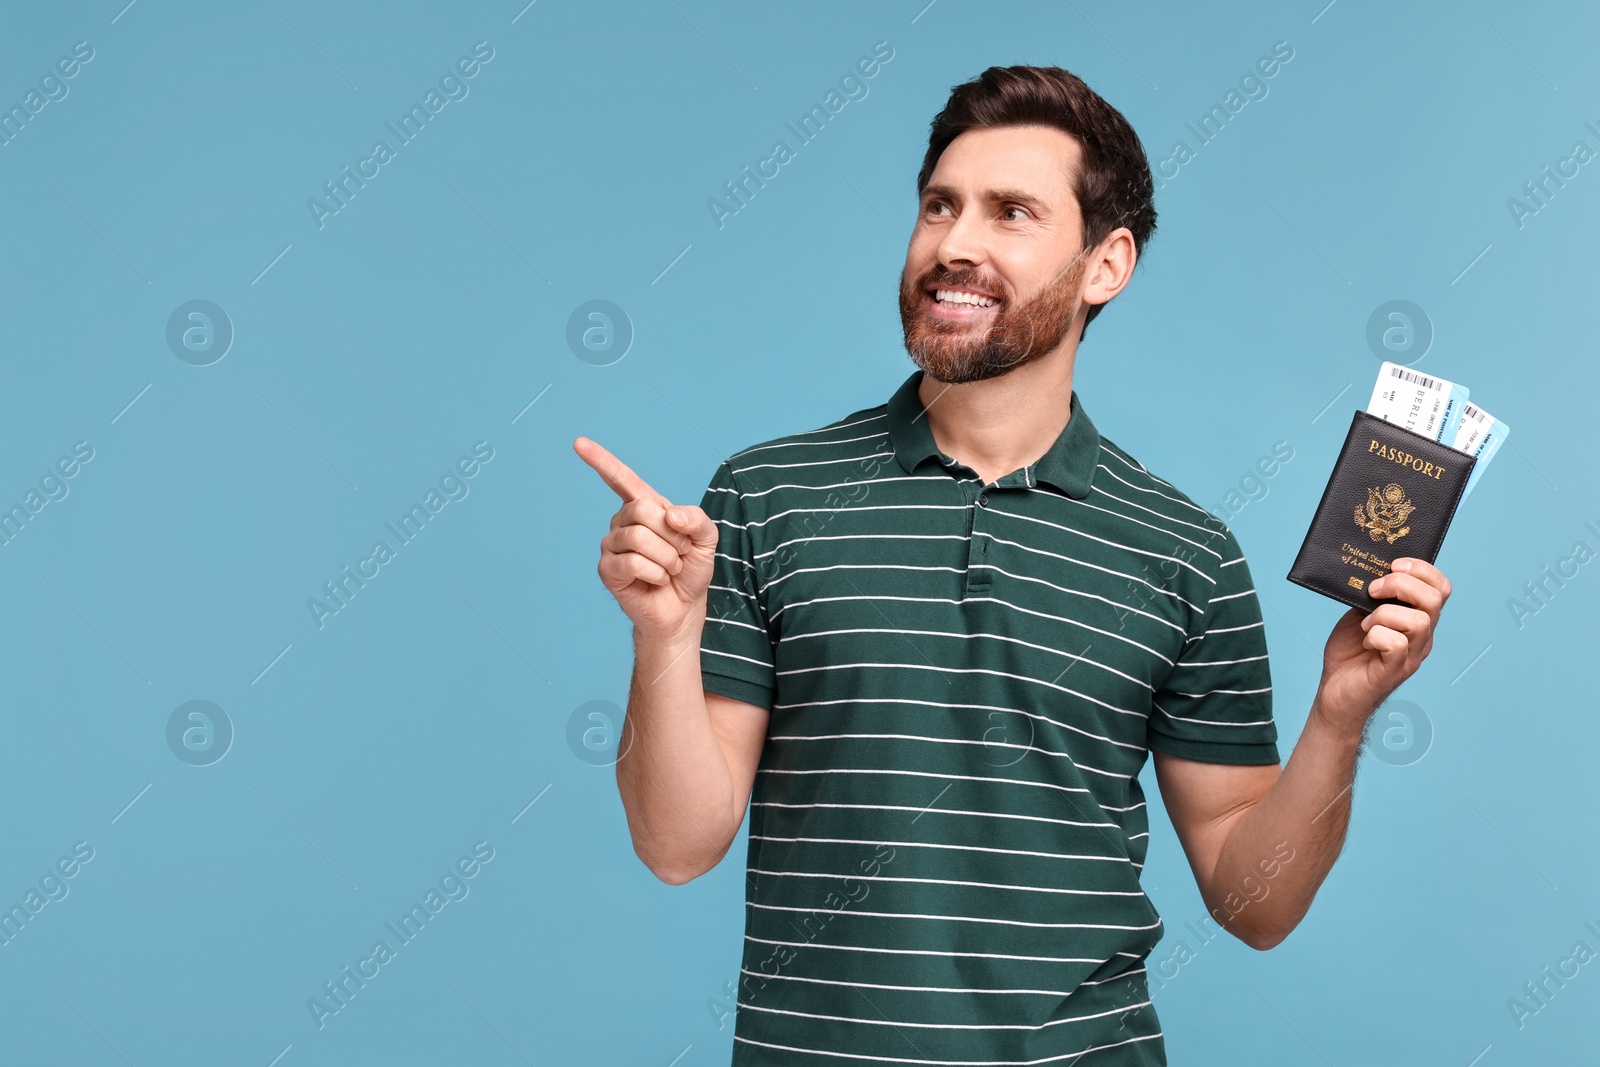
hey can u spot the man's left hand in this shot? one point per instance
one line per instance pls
(1369, 654)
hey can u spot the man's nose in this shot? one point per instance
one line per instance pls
(961, 244)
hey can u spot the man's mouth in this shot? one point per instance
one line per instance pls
(959, 303)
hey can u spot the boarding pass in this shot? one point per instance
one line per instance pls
(1439, 410)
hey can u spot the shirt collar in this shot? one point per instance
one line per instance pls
(1069, 464)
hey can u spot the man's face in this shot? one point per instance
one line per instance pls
(998, 220)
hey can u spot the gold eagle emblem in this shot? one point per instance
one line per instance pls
(1384, 514)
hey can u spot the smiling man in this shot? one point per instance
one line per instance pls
(939, 638)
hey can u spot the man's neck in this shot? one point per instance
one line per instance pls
(1001, 424)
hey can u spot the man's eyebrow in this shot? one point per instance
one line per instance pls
(993, 196)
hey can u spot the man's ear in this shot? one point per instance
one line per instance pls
(1110, 266)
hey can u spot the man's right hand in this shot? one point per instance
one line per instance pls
(657, 566)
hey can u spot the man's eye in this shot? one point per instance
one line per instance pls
(1015, 207)
(935, 204)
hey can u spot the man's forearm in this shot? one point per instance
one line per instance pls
(1308, 809)
(671, 772)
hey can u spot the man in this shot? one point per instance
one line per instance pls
(939, 636)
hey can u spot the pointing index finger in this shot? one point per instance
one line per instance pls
(615, 473)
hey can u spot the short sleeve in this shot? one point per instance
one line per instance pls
(1216, 703)
(736, 646)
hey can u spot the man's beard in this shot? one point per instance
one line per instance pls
(957, 352)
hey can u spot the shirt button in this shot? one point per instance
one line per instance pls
(983, 500)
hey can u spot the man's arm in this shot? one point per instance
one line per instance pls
(1261, 839)
(688, 760)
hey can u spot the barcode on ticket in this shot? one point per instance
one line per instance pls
(1414, 378)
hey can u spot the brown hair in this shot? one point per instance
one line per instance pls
(1113, 187)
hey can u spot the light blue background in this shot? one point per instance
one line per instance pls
(430, 311)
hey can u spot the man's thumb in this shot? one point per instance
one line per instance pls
(696, 523)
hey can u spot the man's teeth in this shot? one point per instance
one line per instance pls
(955, 298)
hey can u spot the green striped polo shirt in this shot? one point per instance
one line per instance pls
(947, 828)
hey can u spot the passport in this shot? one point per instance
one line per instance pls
(1392, 493)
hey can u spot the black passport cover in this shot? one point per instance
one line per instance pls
(1392, 493)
